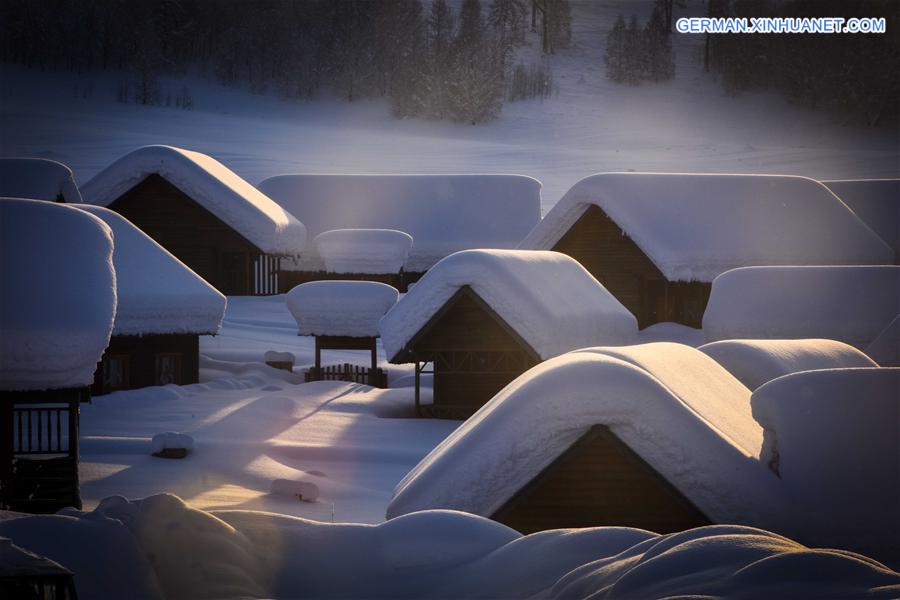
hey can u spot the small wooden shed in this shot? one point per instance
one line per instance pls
(216, 223)
(52, 333)
(657, 241)
(163, 309)
(481, 318)
(656, 436)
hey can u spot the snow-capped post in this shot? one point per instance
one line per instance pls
(366, 254)
(342, 315)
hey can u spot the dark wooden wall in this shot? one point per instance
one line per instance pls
(141, 356)
(198, 238)
(599, 481)
(599, 244)
(474, 352)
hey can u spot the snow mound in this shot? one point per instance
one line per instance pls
(754, 362)
(171, 440)
(885, 349)
(213, 186)
(671, 332)
(443, 213)
(695, 227)
(37, 179)
(673, 405)
(340, 308)
(157, 293)
(549, 299)
(275, 356)
(58, 296)
(832, 437)
(849, 304)
(304, 490)
(363, 250)
(876, 202)
(433, 554)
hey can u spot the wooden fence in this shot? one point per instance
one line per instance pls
(347, 372)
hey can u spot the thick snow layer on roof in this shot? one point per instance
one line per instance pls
(38, 179)
(673, 405)
(58, 296)
(876, 202)
(18, 562)
(549, 299)
(849, 304)
(443, 213)
(671, 332)
(694, 227)
(363, 250)
(433, 554)
(885, 349)
(342, 308)
(755, 362)
(213, 186)
(157, 293)
(832, 437)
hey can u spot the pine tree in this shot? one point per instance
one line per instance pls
(470, 24)
(615, 54)
(507, 17)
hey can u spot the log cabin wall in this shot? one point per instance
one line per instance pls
(474, 353)
(599, 481)
(198, 238)
(133, 361)
(611, 256)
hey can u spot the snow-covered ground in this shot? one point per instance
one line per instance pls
(252, 424)
(592, 125)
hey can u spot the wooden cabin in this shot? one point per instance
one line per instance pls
(52, 335)
(597, 480)
(511, 315)
(217, 224)
(653, 436)
(163, 309)
(443, 214)
(656, 241)
(37, 179)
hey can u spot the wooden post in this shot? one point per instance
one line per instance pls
(318, 357)
(418, 382)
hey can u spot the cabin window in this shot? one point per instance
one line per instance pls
(115, 372)
(168, 368)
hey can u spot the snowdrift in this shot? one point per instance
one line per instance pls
(212, 185)
(695, 227)
(674, 406)
(443, 213)
(549, 299)
(363, 250)
(831, 436)
(157, 293)
(876, 202)
(160, 547)
(849, 304)
(754, 362)
(340, 308)
(37, 179)
(58, 296)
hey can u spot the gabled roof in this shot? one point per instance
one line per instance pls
(696, 226)
(675, 407)
(876, 202)
(157, 293)
(58, 296)
(443, 213)
(213, 186)
(547, 298)
(38, 179)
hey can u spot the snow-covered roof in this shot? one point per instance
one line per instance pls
(849, 304)
(443, 213)
(363, 250)
(157, 293)
(58, 296)
(673, 405)
(885, 349)
(755, 362)
(213, 186)
(38, 179)
(19, 562)
(694, 227)
(832, 437)
(549, 299)
(876, 202)
(340, 308)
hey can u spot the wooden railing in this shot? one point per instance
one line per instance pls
(43, 430)
(350, 373)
